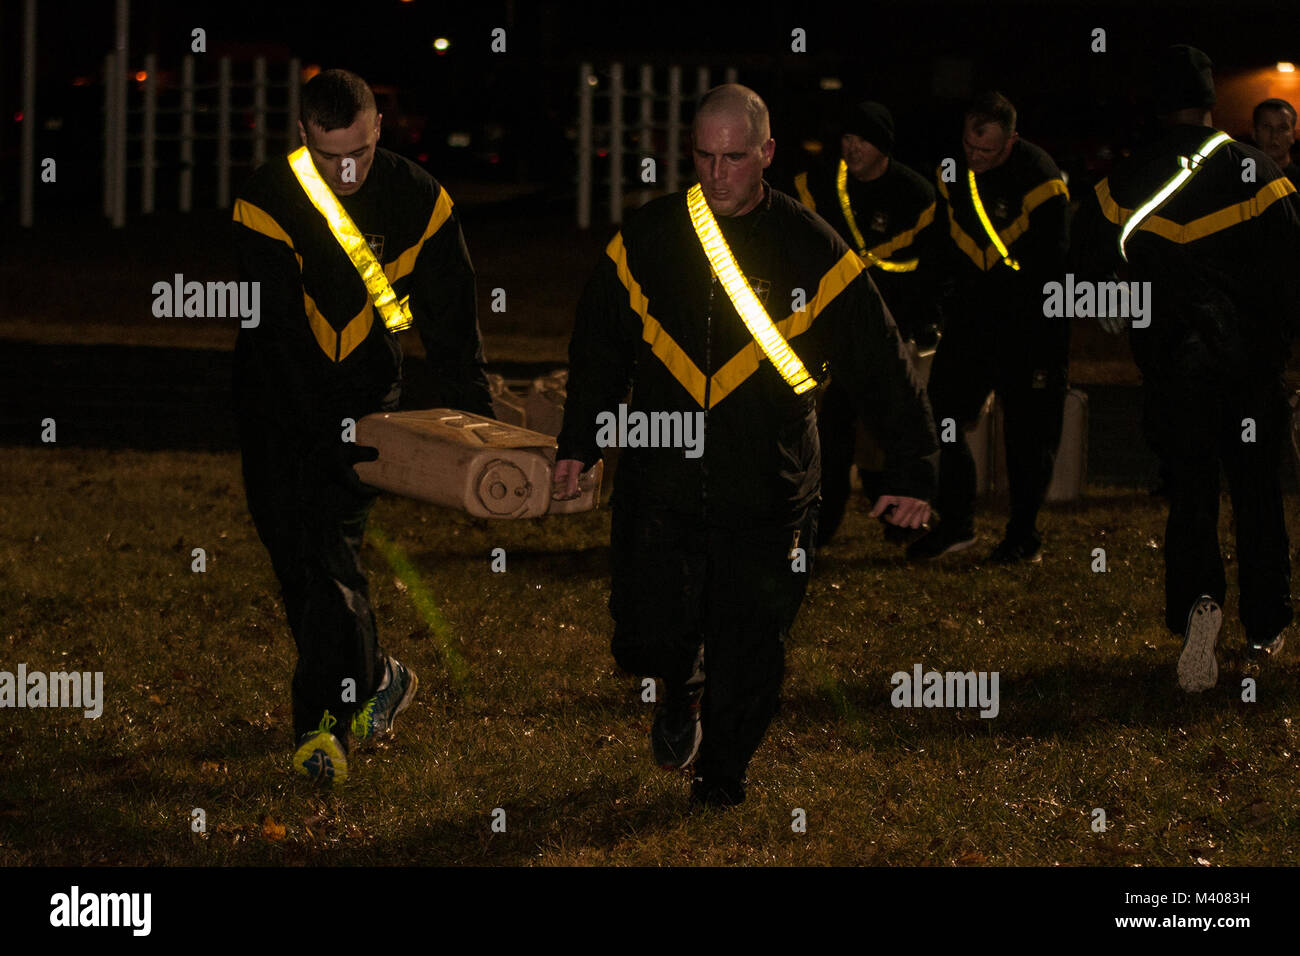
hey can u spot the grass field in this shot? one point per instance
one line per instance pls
(521, 707)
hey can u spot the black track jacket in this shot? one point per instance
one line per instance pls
(321, 352)
(653, 318)
(1221, 256)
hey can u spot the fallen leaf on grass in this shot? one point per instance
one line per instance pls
(270, 829)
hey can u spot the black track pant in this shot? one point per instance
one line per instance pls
(677, 585)
(312, 528)
(1195, 431)
(1031, 384)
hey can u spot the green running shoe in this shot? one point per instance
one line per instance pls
(320, 756)
(377, 715)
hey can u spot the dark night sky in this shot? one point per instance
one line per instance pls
(1037, 53)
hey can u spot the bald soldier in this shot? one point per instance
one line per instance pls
(722, 309)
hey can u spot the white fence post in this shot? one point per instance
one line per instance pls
(223, 134)
(292, 106)
(674, 121)
(119, 114)
(186, 198)
(259, 111)
(616, 143)
(27, 167)
(149, 136)
(110, 111)
(585, 77)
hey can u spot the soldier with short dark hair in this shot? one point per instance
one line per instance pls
(1002, 215)
(326, 350)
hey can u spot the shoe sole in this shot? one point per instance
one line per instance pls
(405, 702)
(1197, 668)
(322, 761)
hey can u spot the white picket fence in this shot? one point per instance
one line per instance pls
(630, 135)
(132, 111)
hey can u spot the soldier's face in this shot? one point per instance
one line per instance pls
(344, 156)
(987, 145)
(859, 156)
(1274, 134)
(729, 164)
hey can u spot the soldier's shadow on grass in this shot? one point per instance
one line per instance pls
(1066, 701)
(584, 818)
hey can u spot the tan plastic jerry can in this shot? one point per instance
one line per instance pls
(486, 468)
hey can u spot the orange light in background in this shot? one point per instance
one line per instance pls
(81, 81)
(141, 76)
(441, 44)
(1284, 67)
(309, 71)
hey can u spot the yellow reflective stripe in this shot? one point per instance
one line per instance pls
(337, 345)
(745, 362)
(355, 332)
(1033, 199)
(742, 297)
(661, 343)
(842, 188)
(259, 220)
(987, 223)
(1222, 219)
(403, 264)
(902, 241)
(801, 187)
(396, 315)
(326, 337)
(1175, 183)
(1109, 207)
(875, 257)
(968, 245)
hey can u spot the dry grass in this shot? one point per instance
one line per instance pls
(95, 562)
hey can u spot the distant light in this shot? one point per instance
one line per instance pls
(81, 81)
(831, 83)
(593, 80)
(141, 76)
(458, 140)
(422, 157)
(18, 117)
(309, 71)
(493, 158)
(813, 146)
(1284, 67)
(442, 44)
